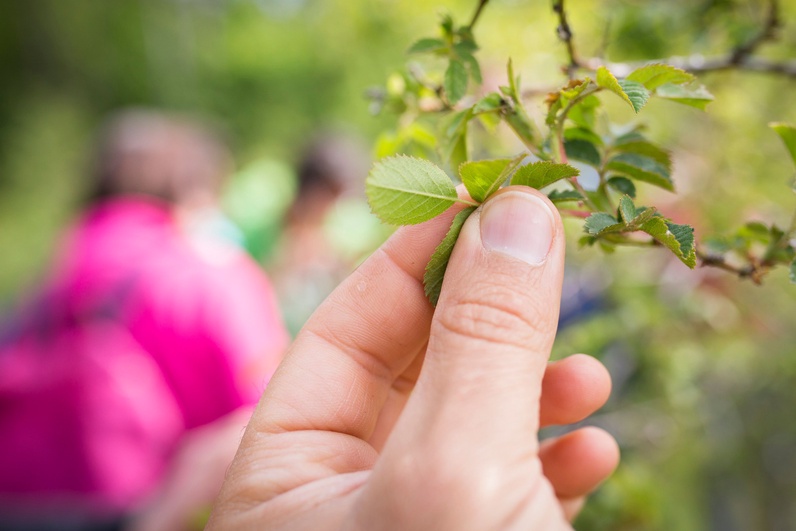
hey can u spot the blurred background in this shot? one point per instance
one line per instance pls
(704, 365)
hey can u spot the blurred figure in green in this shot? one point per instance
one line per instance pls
(328, 228)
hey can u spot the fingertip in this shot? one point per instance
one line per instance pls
(576, 463)
(573, 388)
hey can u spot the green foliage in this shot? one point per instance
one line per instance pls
(435, 270)
(787, 133)
(406, 190)
(484, 177)
(632, 92)
(677, 238)
(544, 173)
(641, 168)
(654, 75)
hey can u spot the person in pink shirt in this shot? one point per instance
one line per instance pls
(126, 381)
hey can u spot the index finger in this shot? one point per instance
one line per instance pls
(338, 372)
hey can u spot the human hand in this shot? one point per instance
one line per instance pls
(386, 414)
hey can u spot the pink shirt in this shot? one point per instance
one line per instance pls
(202, 311)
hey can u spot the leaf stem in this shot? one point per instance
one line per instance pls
(466, 202)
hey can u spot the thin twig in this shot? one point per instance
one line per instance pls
(478, 10)
(564, 32)
(739, 58)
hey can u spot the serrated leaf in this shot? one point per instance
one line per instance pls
(600, 223)
(583, 150)
(540, 174)
(627, 210)
(563, 196)
(792, 274)
(654, 75)
(691, 95)
(623, 185)
(427, 45)
(484, 177)
(632, 92)
(677, 238)
(641, 168)
(404, 190)
(636, 93)
(490, 103)
(643, 147)
(435, 270)
(455, 83)
(787, 133)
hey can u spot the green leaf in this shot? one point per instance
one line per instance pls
(787, 133)
(484, 177)
(427, 45)
(623, 185)
(677, 238)
(435, 270)
(583, 133)
(646, 149)
(475, 68)
(641, 168)
(692, 95)
(793, 272)
(490, 103)
(540, 174)
(404, 190)
(654, 75)
(455, 133)
(564, 196)
(627, 210)
(583, 150)
(600, 223)
(584, 114)
(632, 92)
(636, 93)
(455, 83)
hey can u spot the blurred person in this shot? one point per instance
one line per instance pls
(328, 227)
(389, 414)
(127, 379)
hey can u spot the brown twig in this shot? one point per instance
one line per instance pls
(477, 14)
(739, 58)
(564, 32)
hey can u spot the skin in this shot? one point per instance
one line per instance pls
(387, 414)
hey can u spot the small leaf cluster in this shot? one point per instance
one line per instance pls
(437, 120)
(457, 46)
(405, 191)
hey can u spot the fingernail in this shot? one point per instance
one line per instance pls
(517, 224)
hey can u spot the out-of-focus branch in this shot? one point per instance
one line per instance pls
(478, 10)
(740, 58)
(564, 32)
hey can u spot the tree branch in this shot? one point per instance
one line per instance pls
(564, 32)
(739, 58)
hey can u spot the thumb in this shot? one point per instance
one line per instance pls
(464, 453)
(495, 323)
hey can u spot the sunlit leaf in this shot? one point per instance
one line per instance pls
(484, 177)
(404, 190)
(540, 174)
(691, 95)
(634, 93)
(654, 75)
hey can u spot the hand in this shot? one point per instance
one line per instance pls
(387, 414)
